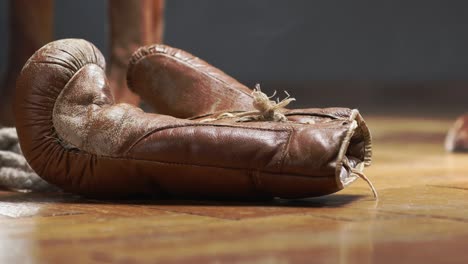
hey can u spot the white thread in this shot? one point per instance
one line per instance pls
(267, 110)
(362, 176)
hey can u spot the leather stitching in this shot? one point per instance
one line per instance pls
(286, 150)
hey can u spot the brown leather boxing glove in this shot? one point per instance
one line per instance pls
(176, 83)
(457, 137)
(74, 136)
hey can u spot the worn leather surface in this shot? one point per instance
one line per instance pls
(457, 137)
(74, 136)
(177, 83)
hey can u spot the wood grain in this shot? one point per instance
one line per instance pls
(421, 216)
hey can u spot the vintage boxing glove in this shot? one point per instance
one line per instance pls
(457, 137)
(74, 136)
(176, 83)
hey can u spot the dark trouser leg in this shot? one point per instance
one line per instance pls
(133, 23)
(30, 27)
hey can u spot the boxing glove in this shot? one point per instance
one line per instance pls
(177, 83)
(74, 136)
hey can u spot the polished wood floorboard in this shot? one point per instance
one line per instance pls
(420, 217)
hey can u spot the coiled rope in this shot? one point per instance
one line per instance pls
(15, 172)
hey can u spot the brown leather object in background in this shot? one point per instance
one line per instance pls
(133, 23)
(29, 28)
(457, 137)
(74, 136)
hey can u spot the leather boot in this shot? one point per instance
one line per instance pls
(30, 27)
(457, 137)
(75, 136)
(133, 23)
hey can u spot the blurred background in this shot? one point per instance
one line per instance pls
(392, 57)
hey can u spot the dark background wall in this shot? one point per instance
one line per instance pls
(299, 43)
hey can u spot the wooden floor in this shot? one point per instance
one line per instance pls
(421, 217)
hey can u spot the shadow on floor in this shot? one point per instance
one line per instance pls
(335, 200)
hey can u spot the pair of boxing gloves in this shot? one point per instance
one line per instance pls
(209, 138)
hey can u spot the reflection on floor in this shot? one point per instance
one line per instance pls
(422, 215)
